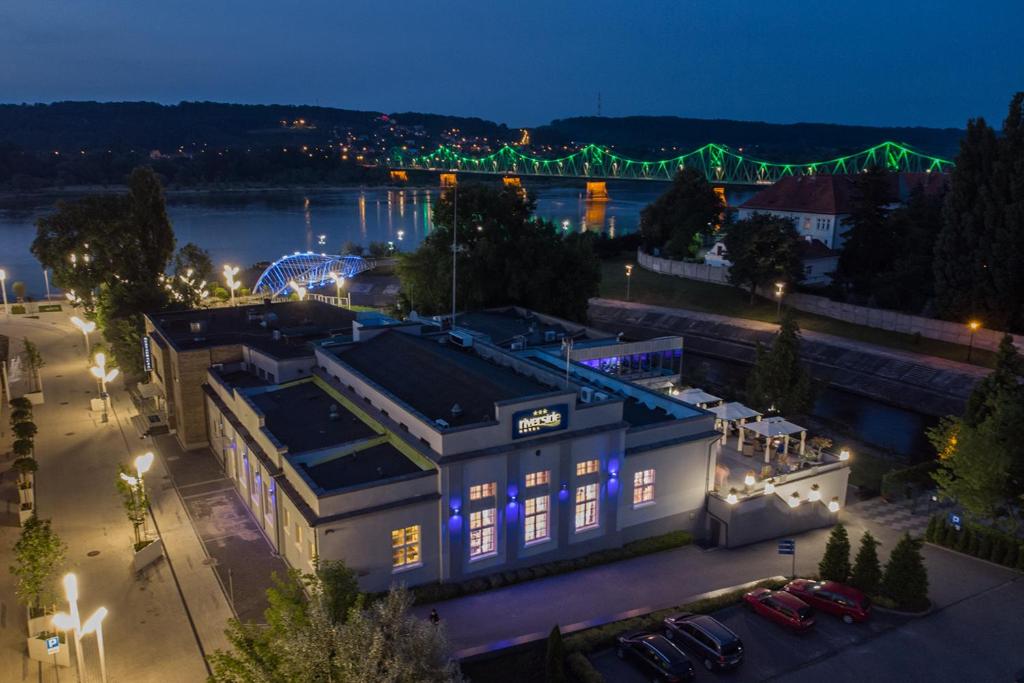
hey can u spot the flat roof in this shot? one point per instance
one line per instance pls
(639, 414)
(375, 463)
(300, 416)
(432, 377)
(293, 323)
(504, 326)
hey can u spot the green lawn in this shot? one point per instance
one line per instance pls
(666, 290)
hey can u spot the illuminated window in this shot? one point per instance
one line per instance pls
(482, 533)
(643, 487)
(479, 491)
(405, 547)
(536, 519)
(587, 467)
(298, 536)
(538, 478)
(586, 507)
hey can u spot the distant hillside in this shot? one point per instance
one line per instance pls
(777, 142)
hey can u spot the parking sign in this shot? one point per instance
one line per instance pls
(52, 645)
(787, 547)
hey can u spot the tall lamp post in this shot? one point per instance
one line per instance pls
(95, 623)
(974, 325)
(71, 622)
(780, 288)
(629, 276)
(298, 289)
(86, 328)
(99, 371)
(339, 280)
(229, 279)
(3, 286)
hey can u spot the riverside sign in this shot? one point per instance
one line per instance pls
(540, 420)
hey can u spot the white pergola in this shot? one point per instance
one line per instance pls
(697, 397)
(734, 413)
(775, 427)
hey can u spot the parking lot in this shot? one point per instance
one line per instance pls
(975, 639)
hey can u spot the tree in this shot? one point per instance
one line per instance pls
(38, 556)
(350, 248)
(677, 219)
(763, 249)
(869, 244)
(778, 381)
(505, 257)
(386, 643)
(20, 415)
(909, 282)
(905, 580)
(135, 501)
(25, 430)
(188, 284)
(1005, 376)
(554, 659)
(18, 289)
(867, 570)
(340, 588)
(835, 563)
(22, 447)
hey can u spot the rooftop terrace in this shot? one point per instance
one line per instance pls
(432, 377)
(301, 417)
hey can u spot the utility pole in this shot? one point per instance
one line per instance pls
(455, 240)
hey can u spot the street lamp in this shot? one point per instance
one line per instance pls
(974, 325)
(95, 623)
(780, 287)
(73, 620)
(99, 371)
(85, 327)
(229, 279)
(339, 280)
(298, 289)
(3, 286)
(629, 276)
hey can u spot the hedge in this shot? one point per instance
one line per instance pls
(895, 482)
(581, 670)
(978, 541)
(602, 637)
(436, 592)
(17, 309)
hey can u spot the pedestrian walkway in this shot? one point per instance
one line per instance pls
(234, 545)
(905, 515)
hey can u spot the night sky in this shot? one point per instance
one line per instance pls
(524, 62)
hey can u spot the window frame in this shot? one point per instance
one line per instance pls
(544, 514)
(585, 467)
(644, 488)
(540, 478)
(484, 526)
(586, 504)
(405, 546)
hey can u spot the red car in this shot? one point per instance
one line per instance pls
(834, 598)
(782, 608)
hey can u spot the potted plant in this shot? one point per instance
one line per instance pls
(819, 444)
(25, 430)
(38, 556)
(37, 648)
(20, 415)
(20, 403)
(136, 505)
(23, 447)
(25, 466)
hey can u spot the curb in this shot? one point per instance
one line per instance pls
(972, 557)
(470, 653)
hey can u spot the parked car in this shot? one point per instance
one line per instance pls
(708, 639)
(655, 655)
(832, 597)
(782, 608)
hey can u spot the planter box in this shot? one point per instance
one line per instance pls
(40, 623)
(26, 494)
(36, 397)
(149, 554)
(37, 651)
(25, 514)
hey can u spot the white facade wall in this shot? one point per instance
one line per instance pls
(825, 227)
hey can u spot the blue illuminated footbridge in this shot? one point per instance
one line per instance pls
(309, 270)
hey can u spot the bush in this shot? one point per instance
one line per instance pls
(582, 670)
(20, 403)
(1010, 555)
(895, 482)
(933, 528)
(835, 563)
(554, 659)
(25, 430)
(22, 447)
(17, 309)
(905, 580)
(867, 570)
(20, 415)
(963, 542)
(985, 546)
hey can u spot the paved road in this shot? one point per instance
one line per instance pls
(148, 636)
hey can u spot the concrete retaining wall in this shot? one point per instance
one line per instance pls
(893, 321)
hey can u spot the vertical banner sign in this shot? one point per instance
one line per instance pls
(147, 353)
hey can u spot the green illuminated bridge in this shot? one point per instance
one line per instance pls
(718, 163)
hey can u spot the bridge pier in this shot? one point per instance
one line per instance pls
(720, 191)
(449, 180)
(399, 176)
(597, 191)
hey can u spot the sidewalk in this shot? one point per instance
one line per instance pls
(500, 618)
(147, 633)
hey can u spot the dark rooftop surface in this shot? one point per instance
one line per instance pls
(379, 462)
(505, 326)
(637, 414)
(836, 194)
(433, 377)
(300, 417)
(243, 379)
(298, 322)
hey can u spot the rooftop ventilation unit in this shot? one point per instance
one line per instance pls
(600, 396)
(443, 424)
(456, 410)
(586, 394)
(333, 415)
(463, 339)
(516, 346)
(549, 335)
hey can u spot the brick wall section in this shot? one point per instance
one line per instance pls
(189, 375)
(893, 321)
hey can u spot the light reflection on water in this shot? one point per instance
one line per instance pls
(246, 227)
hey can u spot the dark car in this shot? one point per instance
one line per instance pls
(706, 638)
(782, 608)
(832, 597)
(655, 655)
